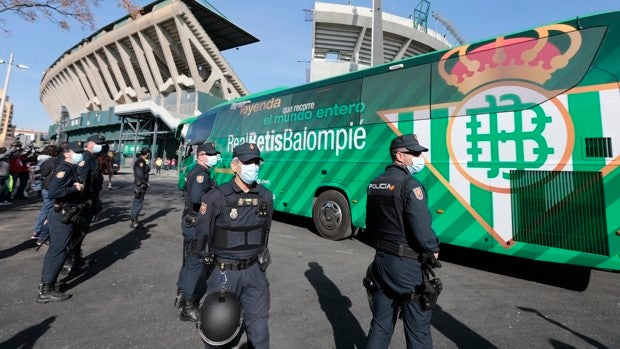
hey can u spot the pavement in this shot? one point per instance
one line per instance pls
(124, 298)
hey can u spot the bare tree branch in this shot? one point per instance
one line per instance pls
(60, 12)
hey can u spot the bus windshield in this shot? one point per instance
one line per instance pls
(200, 130)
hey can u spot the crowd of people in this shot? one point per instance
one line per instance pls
(165, 164)
(19, 172)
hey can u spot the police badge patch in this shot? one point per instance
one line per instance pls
(233, 213)
(60, 174)
(203, 208)
(419, 194)
(200, 179)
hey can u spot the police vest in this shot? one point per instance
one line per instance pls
(241, 228)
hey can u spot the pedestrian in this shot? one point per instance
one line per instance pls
(141, 171)
(41, 228)
(5, 177)
(65, 190)
(105, 159)
(19, 170)
(199, 182)
(158, 163)
(88, 171)
(234, 221)
(399, 221)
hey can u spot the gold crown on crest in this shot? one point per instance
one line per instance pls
(520, 58)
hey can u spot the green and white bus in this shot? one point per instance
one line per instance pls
(523, 132)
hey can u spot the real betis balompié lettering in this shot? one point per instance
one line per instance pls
(336, 139)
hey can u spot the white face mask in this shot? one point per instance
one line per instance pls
(249, 173)
(97, 148)
(76, 158)
(212, 160)
(417, 165)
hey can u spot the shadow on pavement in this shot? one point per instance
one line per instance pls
(101, 259)
(26, 245)
(557, 344)
(27, 338)
(119, 249)
(347, 331)
(553, 274)
(456, 331)
(110, 216)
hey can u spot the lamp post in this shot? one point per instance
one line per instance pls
(6, 82)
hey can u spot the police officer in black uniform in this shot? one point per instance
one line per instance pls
(199, 182)
(235, 219)
(65, 188)
(398, 218)
(88, 170)
(141, 171)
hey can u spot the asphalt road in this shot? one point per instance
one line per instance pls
(124, 298)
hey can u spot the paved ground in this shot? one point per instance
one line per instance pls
(124, 299)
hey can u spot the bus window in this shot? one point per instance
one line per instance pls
(333, 106)
(407, 87)
(200, 130)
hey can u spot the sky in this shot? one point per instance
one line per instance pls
(280, 57)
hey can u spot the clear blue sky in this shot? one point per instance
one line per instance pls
(283, 33)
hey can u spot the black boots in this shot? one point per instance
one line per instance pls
(51, 293)
(74, 261)
(189, 312)
(178, 297)
(135, 224)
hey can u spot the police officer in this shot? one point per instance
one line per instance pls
(141, 171)
(398, 218)
(65, 188)
(88, 170)
(235, 219)
(198, 183)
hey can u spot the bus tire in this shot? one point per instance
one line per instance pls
(331, 215)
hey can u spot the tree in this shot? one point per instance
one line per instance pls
(58, 11)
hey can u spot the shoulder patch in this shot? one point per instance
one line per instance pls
(82, 163)
(203, 208)
(60, 174)
(141, 164)
(200, 179)
(419, 194)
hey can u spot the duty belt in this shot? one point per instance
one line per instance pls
(235, 264)
(396, 249)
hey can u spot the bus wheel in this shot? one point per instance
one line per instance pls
(332, 216)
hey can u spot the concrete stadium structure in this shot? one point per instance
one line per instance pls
(136, 79)
(341, 40)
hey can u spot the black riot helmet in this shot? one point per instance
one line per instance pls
(221, 317)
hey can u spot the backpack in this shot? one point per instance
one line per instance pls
(47, 168)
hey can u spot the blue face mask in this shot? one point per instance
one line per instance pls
(76, 158)
(417, 165)
(97, 148)
(249, 173)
